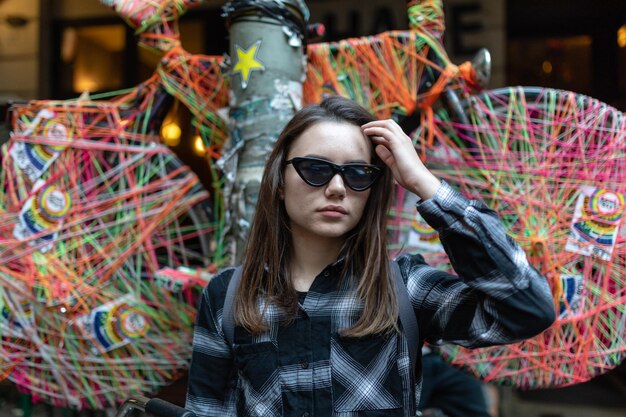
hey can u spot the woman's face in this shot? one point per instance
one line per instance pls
(332, 210)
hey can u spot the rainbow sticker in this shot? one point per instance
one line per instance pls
(571, 303)
(52, 204)
(55, 129)
(597, 218)
(116, 323)
(35, 158)
(423, 237)
(607, 206)
(40, 214)
(15, 321)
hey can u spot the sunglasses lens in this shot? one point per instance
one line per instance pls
(315, 172)
(360, 177)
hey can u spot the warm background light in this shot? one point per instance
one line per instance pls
(621, 36)
(170, 133)
(83, 84)
(198, 145)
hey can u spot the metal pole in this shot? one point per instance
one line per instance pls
(267, 69)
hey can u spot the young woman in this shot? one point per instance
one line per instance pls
(317, 331)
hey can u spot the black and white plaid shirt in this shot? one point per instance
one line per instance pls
(306, 369)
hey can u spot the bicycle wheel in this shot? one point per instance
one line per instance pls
(552, 164)
(102, 233)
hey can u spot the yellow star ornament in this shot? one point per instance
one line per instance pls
(247, 62)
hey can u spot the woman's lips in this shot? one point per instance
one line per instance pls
(333, 211)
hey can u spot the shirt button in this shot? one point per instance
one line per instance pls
(326, 273)
(304, 364)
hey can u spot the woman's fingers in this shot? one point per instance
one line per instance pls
(384, 154)
(388, 125)
(387, 133)
(397, 151)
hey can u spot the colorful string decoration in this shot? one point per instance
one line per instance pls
(106, 238)
(155, 21)
(550, 162)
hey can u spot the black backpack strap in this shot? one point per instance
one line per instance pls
(228, 317)
(407, 315)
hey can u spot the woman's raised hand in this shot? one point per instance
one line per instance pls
(396, 150)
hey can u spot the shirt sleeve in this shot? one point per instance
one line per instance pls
(210, 389)
(497, 297)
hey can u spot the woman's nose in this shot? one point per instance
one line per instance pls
(336, 186)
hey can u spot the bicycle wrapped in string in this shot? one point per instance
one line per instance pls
(106, 237)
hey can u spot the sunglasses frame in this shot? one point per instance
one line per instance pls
(336, 169)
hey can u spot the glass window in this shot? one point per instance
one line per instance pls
(92, 58)
(557, 62)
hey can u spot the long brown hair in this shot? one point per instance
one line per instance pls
(268, 255)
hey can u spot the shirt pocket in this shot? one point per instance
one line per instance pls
(365, 376)
(258, 383)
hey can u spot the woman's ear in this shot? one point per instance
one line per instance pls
(281, 193)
